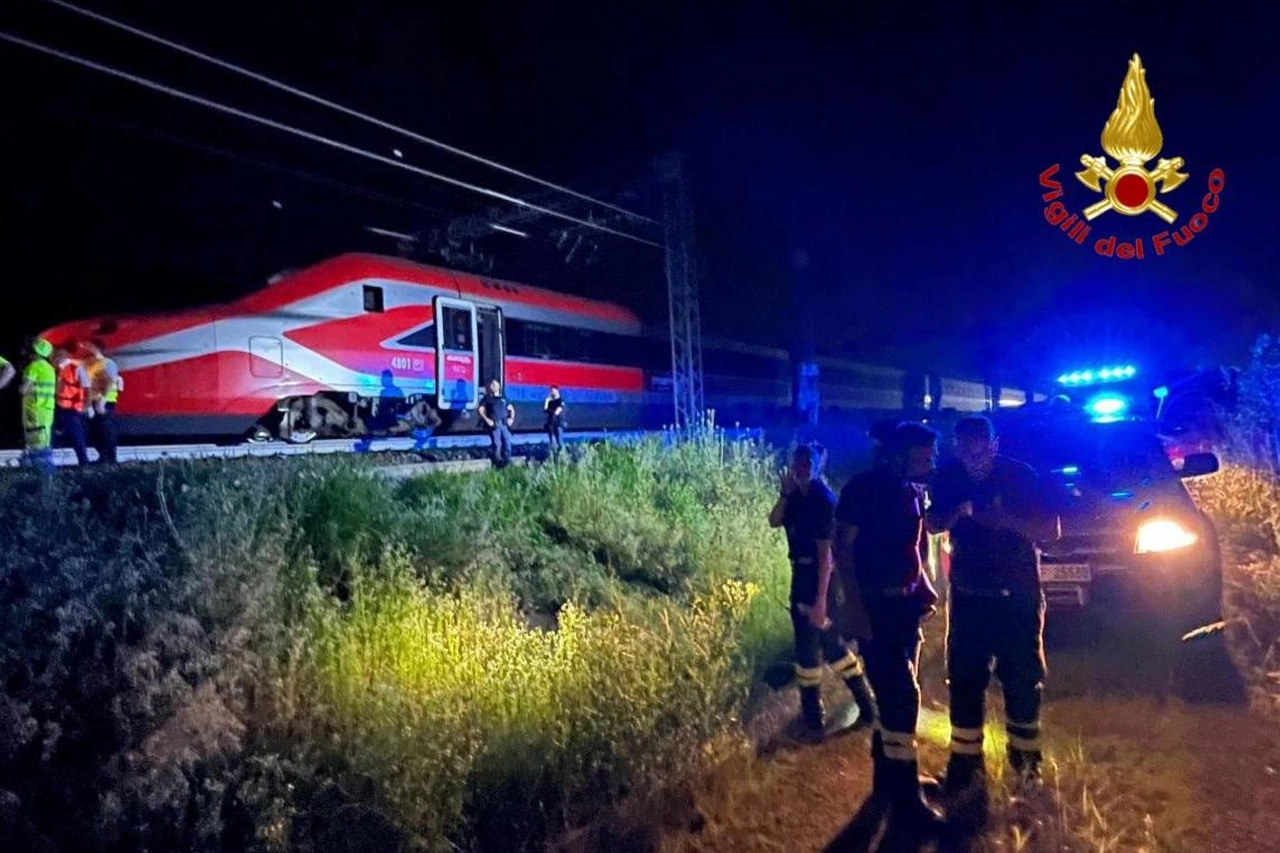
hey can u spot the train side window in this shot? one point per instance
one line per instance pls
(542, 340)
(424, 337)
(373, 298)
(580, 345)
(458, 324)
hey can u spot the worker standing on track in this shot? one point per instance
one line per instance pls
(73, 411)
(553, 408)
(498, 416)
(806, 509)
(39, 391)
(107, 384)
(995, 512)
(879, 527)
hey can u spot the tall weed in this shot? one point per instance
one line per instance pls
(176, 672)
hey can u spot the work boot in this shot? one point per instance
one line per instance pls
(815, 717)
(867, 713)
(910, 815)
(965, 789)
(881, 783)
(1026, 764)
(882, 787)
(963, 771)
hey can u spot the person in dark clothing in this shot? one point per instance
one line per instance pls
(995, 513)
(553, 409)
(879, 527)
(806, 509)
(498, 415)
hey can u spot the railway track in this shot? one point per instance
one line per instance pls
(432, 448)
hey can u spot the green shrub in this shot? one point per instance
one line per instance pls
(479, 730)
(175, 672)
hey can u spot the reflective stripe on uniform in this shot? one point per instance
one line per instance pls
(43, 382)
(38, 437)
(1024, 736)
(848, 666)
(966, 741)
(808, 677)
(898, 746)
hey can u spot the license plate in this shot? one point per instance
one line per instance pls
(1066, 573)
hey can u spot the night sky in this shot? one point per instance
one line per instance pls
(899, 148)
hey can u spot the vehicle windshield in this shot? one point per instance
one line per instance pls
(1110, 456)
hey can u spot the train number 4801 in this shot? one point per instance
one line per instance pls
(403, 363)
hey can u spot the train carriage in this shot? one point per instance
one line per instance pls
(362, 343)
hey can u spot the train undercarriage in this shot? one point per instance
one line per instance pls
(299, 420)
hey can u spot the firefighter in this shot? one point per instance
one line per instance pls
(806, 510)
(39, 388)
(6, 372)
(107, 384)
(879, 527)
(73, 411)
(994, 512)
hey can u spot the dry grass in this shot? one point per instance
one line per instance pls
(1108, 797)
(1245, 505)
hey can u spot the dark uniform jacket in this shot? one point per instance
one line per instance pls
(808, 519)
(889, 514)
(984, 559)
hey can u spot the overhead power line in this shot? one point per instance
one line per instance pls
(314, 137)
(262, 78)
(227, 154)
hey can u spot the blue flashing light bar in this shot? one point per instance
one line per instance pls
(1107, 408)
(1105, 374)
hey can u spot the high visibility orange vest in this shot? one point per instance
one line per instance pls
(71, 394)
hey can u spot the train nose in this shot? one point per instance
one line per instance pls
(78, 335)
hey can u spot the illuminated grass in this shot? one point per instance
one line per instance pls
(361, 657)
(479, 729)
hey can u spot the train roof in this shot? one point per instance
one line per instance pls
(333, 272)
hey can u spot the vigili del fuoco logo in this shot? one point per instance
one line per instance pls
(1133, 138)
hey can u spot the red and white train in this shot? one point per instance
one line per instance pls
(362, 344)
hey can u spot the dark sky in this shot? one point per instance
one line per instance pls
(900, 147)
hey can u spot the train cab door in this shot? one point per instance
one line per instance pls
(492, 345)
(457, 354)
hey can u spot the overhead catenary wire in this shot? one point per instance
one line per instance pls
(314, 137)
(227, 154)
(285, 87)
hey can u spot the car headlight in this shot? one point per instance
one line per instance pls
(1163, 535)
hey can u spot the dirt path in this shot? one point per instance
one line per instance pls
(1133, 769)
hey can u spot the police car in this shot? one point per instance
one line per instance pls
(1131, 533)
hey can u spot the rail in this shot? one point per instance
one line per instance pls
(424, 445)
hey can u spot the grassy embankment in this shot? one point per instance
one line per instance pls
(266, 655)
(278, 655)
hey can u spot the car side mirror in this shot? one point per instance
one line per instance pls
(1198, 465)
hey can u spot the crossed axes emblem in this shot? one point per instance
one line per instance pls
(1165, 173)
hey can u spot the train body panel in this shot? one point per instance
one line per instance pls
(354, 343)
(356, 331)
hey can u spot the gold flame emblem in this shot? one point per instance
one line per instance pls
(1132, 137)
